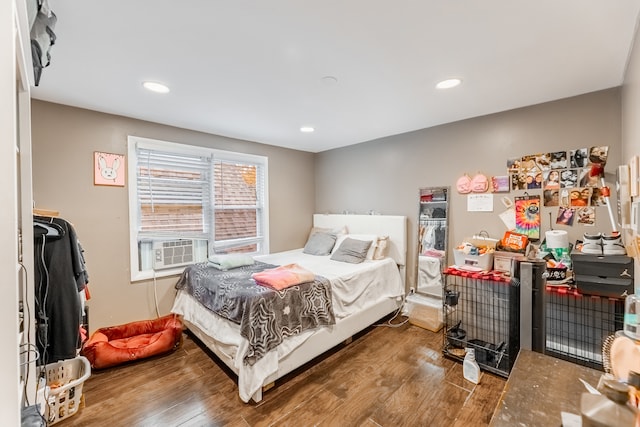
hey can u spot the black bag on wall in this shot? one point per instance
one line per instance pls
(42, 38)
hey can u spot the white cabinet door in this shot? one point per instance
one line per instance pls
(16, 227)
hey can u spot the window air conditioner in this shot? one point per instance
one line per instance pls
(176, 253)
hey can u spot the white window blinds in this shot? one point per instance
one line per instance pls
(239, 205)
(174, 194)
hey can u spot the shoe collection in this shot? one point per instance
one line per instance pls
(603, 244)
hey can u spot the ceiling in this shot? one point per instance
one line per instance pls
(355, 70)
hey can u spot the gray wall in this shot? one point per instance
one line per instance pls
(64, 140)
(384, 175)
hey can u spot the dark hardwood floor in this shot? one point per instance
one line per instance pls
(385, 377)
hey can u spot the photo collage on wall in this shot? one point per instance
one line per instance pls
(568, 180)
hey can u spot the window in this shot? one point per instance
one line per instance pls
(186, 202)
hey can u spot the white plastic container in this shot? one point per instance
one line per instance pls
(470, 368)
(63, 392)
(632, 317)
(482, 262)
(425, 311)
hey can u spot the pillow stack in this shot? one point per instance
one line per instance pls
(351, 248)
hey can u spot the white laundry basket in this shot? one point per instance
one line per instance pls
(64, 388)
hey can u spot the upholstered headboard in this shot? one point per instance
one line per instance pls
(382, 225)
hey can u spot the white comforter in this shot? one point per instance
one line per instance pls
(354, 288)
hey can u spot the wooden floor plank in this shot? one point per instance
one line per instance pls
(384, 377)
(482, 403)
(417, 388)
(311, 413)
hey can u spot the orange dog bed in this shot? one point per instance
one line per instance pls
(115, 345)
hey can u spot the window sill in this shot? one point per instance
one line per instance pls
(138, 276)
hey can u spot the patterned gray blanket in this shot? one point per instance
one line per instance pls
(265, 316)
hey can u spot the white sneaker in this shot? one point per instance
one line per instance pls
(612, 244)
(592, 244)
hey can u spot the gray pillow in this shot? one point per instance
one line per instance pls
(320, 244)
(352, 251)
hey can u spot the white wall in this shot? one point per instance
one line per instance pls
(631, 114)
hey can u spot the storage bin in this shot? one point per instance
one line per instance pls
(425, 312)
(502, 260)
(64, 388)
(482, 262)
(487, 353)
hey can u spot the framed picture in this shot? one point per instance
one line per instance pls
(500, 184)
(108, 169)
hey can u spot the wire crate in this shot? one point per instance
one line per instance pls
(577, 325)
(482, 312)
(64, 388)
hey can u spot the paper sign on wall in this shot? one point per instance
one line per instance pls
(508, 217)
(480, 203)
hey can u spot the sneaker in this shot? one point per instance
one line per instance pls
(592, 244)
(612, 244)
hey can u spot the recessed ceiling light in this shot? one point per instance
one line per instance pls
(330, 80)
(156, 87)
(307, 129)
(448, 84)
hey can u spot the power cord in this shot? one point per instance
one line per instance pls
(43, 327)
(31, 348)
(155, 293)
(398, 312)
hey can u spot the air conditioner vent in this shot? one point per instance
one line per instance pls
(174, 253)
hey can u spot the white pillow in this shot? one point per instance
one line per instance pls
(370, 237)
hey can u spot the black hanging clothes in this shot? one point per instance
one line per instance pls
(440, 234)
(60, 274)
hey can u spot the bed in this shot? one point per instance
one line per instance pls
(360, 294)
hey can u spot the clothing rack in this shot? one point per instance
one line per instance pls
(60, 278)
(45, 212)
(433, 221)
(431, 234)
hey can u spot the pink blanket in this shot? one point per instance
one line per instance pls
(283, 277)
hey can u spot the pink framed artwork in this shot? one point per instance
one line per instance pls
(108, 169)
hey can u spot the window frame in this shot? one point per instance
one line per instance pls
(132, 143)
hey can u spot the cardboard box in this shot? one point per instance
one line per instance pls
(610, 276)
(502, 260)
